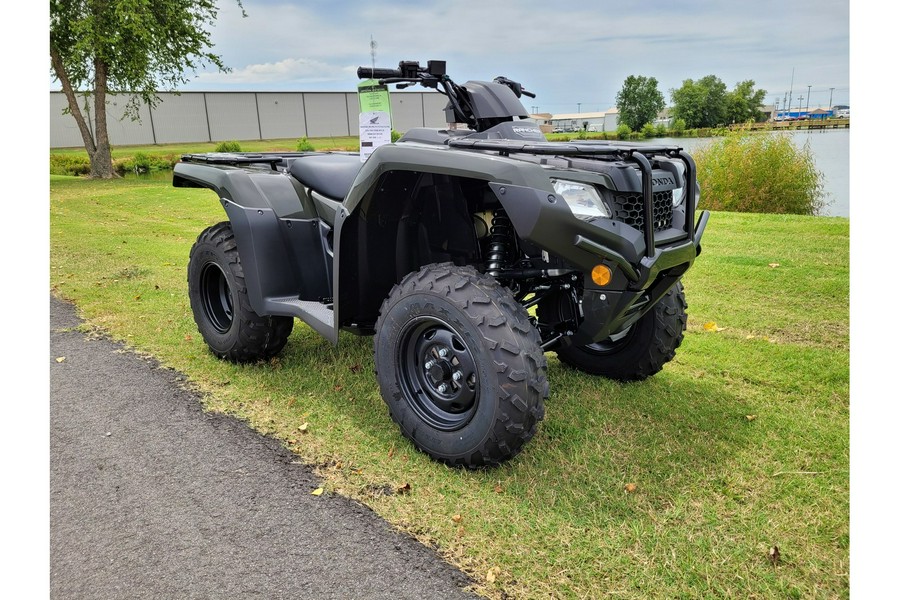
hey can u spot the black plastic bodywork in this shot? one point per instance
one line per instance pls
(307, 252)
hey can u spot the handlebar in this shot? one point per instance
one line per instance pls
(372, 73)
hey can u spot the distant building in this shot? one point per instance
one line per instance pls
(820, 113)
(589, 121)
(804, 113)
(665, 117)
(542, 120)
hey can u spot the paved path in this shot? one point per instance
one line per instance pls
(150, 497)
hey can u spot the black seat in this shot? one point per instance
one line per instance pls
(331, 175)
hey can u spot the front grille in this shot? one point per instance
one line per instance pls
(629, 208)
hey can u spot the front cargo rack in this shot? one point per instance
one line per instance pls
(623, 151)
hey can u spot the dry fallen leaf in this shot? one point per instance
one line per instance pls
(404, 489)
(317, 492)
(60, 359)
(630, 487)
(774, 265)
(711, 326)
(498, 489)
(303, 428)
(188, 338)
(355, 368)
(338, 388)
(774, 555)
(492, 574)
(751, 417)
(456, 518)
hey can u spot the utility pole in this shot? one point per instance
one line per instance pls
(830, 98)
(800, 108)
(791, 94)
(579, 107)
(808, 94)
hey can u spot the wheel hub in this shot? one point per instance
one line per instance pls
(439, 373)
(215, 296)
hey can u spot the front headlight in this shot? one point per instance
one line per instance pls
(582, 198)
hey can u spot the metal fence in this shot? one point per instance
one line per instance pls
(220, 116)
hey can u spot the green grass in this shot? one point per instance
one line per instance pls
(282, 145)
(740, 444)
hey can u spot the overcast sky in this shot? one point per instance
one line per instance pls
(567, 53)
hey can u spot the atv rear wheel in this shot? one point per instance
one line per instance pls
(460, 366)
(642, 350)
(220, 303)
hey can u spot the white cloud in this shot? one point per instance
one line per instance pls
(289, 70)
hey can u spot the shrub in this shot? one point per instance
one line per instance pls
(304, 145)
(69, 164)
(662, 130)
(761, 173)
(678, 126)
(395, 135)
(623, 131)
(230, 146)
(581, 135)
(145, 163)
(141, 163)
(648, 130)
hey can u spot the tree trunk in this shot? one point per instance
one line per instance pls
(101, 161)
(98, 149)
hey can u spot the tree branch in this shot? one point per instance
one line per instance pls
(61, 74)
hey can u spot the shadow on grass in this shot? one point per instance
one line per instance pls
(662, 434)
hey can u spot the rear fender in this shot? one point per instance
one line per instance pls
(276, 230)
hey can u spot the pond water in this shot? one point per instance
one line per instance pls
(831, 153)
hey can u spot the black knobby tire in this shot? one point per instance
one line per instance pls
(644, 349)
(220, 304)
(454, 327)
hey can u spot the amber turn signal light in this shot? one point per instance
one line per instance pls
(601, 274)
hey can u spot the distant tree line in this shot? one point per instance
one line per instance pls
(706, 102)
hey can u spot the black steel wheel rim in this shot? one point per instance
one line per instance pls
(215, 296)
(437, 373)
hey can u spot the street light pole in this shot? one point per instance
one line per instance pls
(791, 94)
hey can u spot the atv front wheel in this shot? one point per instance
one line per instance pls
(460, 366)
(220, 303)
(642, 350)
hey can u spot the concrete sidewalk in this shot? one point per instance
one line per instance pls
(150, 497)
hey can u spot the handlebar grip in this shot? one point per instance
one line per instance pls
(529, 94)
(370, 73)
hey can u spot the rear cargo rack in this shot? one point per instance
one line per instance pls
(637, 153)
(273, 159)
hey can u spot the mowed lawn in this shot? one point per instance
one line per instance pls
(676, 487)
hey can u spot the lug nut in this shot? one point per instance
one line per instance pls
(429, 364)
(457, 375)
(443, 353)
(442, 388)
